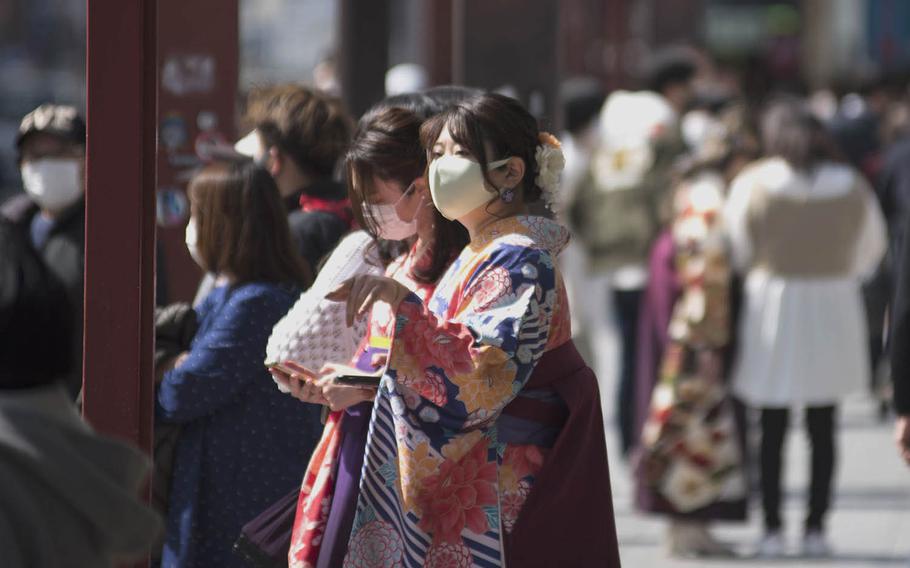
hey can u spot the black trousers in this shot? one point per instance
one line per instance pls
(627, 306)
(820, 424)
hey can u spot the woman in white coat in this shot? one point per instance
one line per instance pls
(804, 230)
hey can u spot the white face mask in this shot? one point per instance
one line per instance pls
(192, 242)
(54, 183)
(389, 225)
(457, 185)
(251, 146)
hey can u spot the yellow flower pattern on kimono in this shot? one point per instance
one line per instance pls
(414, 467)
(489, 384)
(460, 446)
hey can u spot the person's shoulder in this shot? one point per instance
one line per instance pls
(254, 294)
(354, 243)
(519, 252)
(311, 221)
(18, 209)
(768, 173)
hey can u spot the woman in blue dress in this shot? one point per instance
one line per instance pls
(242, 442)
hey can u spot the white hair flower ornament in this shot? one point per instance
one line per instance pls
(550, 164)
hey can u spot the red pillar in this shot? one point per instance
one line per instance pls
(509, 42)
(436, 35)
(364, 52)
(121, 71)
(198, 62)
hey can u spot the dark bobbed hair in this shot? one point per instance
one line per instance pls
(582, 98)
(420, 104)
(790, 131)
(242, 225)
(498, 120)
(668, 67)
(36, 321)
(387, 145)
(445, 96)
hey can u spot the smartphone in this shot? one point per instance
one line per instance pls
(358, 380)
(289, 368)
(354, 377)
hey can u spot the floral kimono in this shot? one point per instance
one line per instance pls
(344, 436)
(691, 455)
(446, 474)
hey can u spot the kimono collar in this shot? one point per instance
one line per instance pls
(545, 233)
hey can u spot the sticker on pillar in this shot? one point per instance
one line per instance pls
(173, 132)
(188, 74)
(210, 143)
(173, 208)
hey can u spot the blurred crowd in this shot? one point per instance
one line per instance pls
(749, 254)
(379, 364)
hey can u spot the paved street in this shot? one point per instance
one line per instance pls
(870, 525)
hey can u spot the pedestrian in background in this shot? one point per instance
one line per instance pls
(690, 461)
(624, 205)
(298, 135)
(804, 230)
(242, 443)
(51, 155)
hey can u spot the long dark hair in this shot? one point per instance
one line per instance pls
(243, 227)
(790, 131)
(386, 145)
(498, 120)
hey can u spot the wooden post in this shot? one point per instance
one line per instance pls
(364, 53)
(436, 35)
(198, 60)
(509, 42)
(121, 70)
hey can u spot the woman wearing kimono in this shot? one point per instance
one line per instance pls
(690, 461)
(385, 166)
(486, 442)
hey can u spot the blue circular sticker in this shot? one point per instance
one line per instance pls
(173, 208)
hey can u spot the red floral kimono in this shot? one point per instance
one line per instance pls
(317, 490)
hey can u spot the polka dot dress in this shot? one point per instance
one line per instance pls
(243, 444)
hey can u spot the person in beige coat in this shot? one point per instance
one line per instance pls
(804, 230)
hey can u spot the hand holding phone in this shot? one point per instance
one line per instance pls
(344, 386)
(344, 375)
(300, 382)
(291, 368)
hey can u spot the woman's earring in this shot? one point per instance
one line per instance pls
(507, 194)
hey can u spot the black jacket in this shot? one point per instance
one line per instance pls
(316, 232)
(64, 254)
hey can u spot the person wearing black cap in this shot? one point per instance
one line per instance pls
(68, 497)
(51, 212)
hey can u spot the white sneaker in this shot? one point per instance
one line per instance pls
(693, 540)
(771, 545)
(815, 545)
